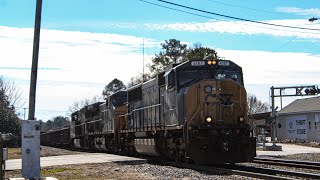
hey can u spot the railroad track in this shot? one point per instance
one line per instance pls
(288, 163)
(254, 172)
(275, 172)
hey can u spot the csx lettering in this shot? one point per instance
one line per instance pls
(223, 63)
(197, 63)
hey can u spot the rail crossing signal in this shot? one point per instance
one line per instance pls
(310, 90)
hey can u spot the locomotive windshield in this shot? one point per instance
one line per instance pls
(188, 77)
(234, 75)
(119, 98)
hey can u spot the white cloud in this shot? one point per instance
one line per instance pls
(300, 11)
(246, 28)
(262, 67)
(72, 65)
(84, 62)
(72, 55)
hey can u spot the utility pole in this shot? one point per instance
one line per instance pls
(273, 122)
(143, 60)
(35, 55)
(24, 113)
(1, 158)
(30, 128)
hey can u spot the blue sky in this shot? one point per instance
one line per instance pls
(85, 44)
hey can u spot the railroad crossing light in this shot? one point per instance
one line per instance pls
(6, 137)
(312, 91)
(313, 19)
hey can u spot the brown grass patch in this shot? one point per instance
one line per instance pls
(14, 153)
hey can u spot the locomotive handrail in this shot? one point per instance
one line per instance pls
(187, 123)
(169, 110)
(94, 121)
(80, 124)
(195, 112)
(147, 107)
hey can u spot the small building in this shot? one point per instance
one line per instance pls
(260, 123)
(300, 120)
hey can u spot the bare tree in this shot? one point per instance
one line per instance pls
(77, 105)
(10, 98)
(256, 106)
(12, 93)
(139, 79)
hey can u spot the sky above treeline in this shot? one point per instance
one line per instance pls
(85, 44)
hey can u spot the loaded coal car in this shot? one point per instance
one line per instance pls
(56, 137)
(195, 111)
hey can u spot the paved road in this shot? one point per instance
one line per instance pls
(288, 149)
(15, 164)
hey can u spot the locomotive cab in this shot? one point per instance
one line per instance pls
(212, 109)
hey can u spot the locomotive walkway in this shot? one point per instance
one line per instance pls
(15, 164)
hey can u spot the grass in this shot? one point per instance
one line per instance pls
(14, 153)
(99, 171)
(47, 172)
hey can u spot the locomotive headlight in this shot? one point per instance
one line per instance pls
(208, 119)
(208, 89)
(212, 62)
(241, 119)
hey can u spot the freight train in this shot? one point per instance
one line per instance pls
(195, 111)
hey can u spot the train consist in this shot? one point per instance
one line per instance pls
(195, 111)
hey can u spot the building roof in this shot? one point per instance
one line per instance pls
(259, 116)
(302, 106)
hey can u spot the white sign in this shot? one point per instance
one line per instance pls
(198, 63)
(297, 127)
(30, 147)
(223, 63)
(316, 117)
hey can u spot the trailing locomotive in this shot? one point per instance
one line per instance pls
(195, 111)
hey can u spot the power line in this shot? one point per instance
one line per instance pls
(243, 7)
(283, 45)
(208, 17)
(180, 10)
(232, 17)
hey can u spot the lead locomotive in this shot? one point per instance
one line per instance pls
(195, 111)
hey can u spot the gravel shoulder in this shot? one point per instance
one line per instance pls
(123, 171)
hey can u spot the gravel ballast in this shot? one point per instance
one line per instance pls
(144, 171)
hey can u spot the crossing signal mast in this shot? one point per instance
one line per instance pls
(310, 90)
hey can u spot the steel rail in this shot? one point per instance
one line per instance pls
(272, 171)
(289, 163)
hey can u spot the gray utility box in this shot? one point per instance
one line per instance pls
(5, 154)
(30, 149)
